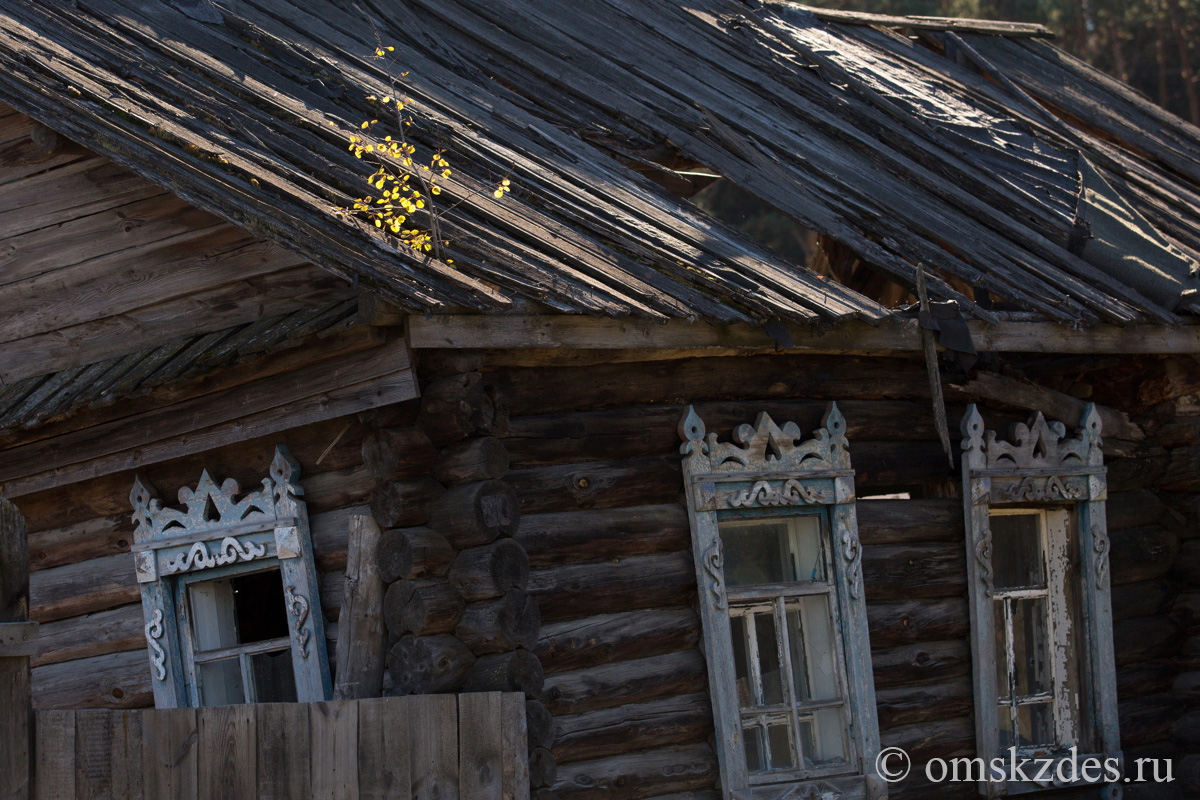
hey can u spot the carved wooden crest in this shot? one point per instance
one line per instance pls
(766, 446)
(1036, 445)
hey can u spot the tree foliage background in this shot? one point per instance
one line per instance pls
(1149, 44)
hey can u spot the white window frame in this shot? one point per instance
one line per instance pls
(222, 533)
(1063, 478)
(770, 473)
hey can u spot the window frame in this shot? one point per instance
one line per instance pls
(1040, 468)
(222, 533)
(771, 473)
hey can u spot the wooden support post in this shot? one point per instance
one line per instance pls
(361, 640)
(16, 634)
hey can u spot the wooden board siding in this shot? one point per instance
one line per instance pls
(97, 262)
(594, 458)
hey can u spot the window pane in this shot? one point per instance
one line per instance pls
(756, 657)
(221, 682)
(773, 551)
(746, 689)
(810, 639)
(1002, 654)
(1035, 725)
(829, 735)
(1004, 713)
(240, 610)
(213, 620)
(274, 681)
(783, 750)
(1031, 645)
(755, 748)
(1017, 560)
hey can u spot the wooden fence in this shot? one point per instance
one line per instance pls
(431, 747)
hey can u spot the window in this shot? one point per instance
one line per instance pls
(229, 593)
(779, 569)
(1040, 606)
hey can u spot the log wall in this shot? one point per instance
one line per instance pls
(594, 459)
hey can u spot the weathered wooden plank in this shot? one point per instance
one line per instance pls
(578, 643)
(958, 24)
(896, 335)
(226, 745)
(684, 719)
(16, 719)
(385, 749)
(169, 753)
(573, 536)
(54, 749)
(91, 538)
(514, 743)
(79, 588)
(924, 662)
(481, 745)
(283, 744)
(434, 743)
(624, 584)
(361, 639)
(233, 304)
(334, 749)
(126, 755)
(77, 190)
(625, 777)
(118, 680)
(624, 682)
(95, 741)
(113, 631)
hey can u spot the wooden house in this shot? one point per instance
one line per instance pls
(679, 472)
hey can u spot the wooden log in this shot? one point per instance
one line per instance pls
(422, 607)
(457, 407)
(573, 536)
(1145, 599)
(627, 777)
(395, 453)
(923, 741)
(1183, 470)
(542, 768)
(1144, 472)
(82, 588)
(1147, 720)
(1145, 639)
(428, 664)
(90, 538)
(502, 625)
(586, 590)
(114, 631)
(914, 664)
(539, 724)
(573, 644)
(910, 705)
(1133, 509)
(625, 682)
(1143, 554)
(480, 459)
(16, 710)
(476, 513)
(919, 521)
(894, 572)
(410, 553)
(685, 719)
(1152, 677)
(598, 484)
(404, 504)
(518, 671)
(482, 573)
(909, 621)
(118, 680)
(361, 635)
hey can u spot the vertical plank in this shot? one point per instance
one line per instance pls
(361, 637)
(16, 715)
(334, 730)
(515, 753)
(169, 753)
(434, 731)
(93, 753)
(127, 769)
(384, 749)
(283, 743)
(228, 761)
(480, 746)
(54, 770)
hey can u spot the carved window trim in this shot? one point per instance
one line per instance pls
(770, 468)
(1040, 468)
(221, 532)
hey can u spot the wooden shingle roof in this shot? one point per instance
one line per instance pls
(959, 146)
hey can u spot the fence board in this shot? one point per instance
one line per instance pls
(385, 749)
(434, 756)
(283, 746)
(334, 758)
(440, 747)
(54, 746)
(228, 753)
(169, 753)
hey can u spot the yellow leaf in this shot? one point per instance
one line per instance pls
(498, 193)
(364, 125)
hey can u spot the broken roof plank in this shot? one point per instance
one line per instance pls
(1015, 30)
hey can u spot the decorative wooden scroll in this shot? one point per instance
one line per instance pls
(1039, 465)
(220, 529)
(773, 470)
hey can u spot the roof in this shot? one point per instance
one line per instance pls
(963, 147)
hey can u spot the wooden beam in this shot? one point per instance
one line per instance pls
(1016, 30)
(475, 331)
(16, 713)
